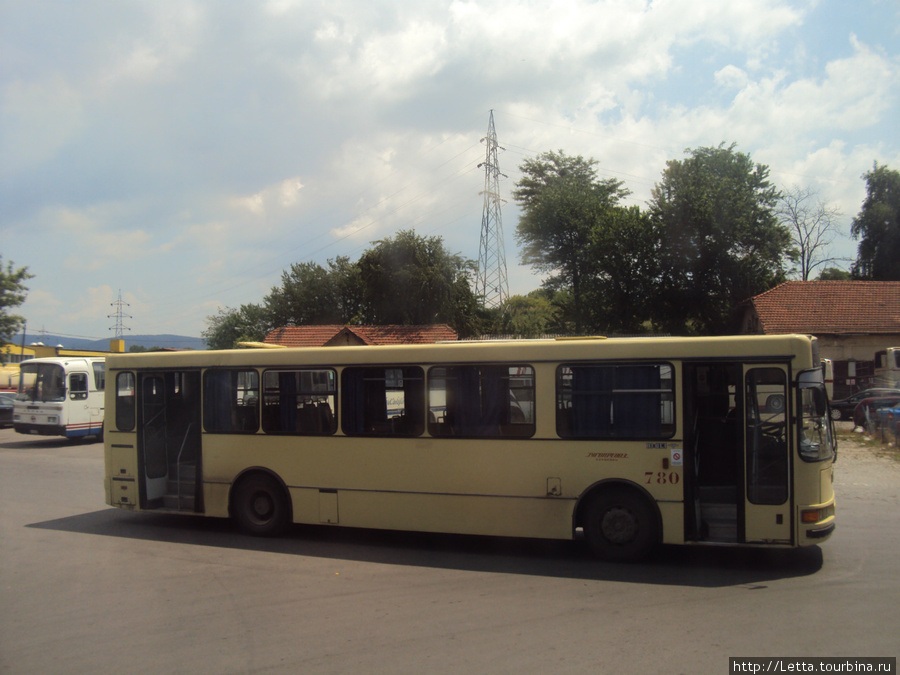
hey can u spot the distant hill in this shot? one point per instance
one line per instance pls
(148, 341)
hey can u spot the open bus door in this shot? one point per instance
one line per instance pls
(767, 509)
(737, 452)
(169, 440)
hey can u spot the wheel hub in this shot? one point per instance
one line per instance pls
(262, 506)
(619, 525)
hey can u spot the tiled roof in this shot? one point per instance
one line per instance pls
(318, 336)
(830, 307)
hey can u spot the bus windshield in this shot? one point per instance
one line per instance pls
(816, 441)
(42, 382)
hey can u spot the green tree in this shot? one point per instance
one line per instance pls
(528, 316)
(562, 202)
(878, 227)
(311, 294)
(249, 323)
(410, 280)
(834, 274)
(721, 240)
(625, 249)
(12, 294)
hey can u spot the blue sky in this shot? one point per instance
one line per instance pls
(187, 152)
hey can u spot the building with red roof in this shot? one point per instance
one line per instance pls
(852, 319)
(342, 335)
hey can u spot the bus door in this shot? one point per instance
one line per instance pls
(737, 457)
(767, 461)
(153, 437)
(78, 410)
(169, 440)
(714, 449)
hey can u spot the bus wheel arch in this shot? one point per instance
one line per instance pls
(260, 503)
(620, 520)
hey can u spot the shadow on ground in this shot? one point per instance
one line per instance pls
(705, 567)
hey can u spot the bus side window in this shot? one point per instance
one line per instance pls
(608, 400)
(383, 401)
(78, 386)
(299, 402)
(99, 375)
(481, 401)
(125, 401)
(231, 401)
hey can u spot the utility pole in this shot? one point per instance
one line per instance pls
(491, 284)
(119, 315)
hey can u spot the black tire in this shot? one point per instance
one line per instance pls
(620, 525)
(261, 507)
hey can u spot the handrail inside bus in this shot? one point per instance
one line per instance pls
(178, 463)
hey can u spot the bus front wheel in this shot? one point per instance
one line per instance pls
(620, 525)
(261, 507)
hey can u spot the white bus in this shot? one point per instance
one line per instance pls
(626, 442)
(62, 396)
(887, 368)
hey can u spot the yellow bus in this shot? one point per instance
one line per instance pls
(627, 443)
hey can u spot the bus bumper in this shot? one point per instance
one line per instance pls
(817, 523)
(40, 429)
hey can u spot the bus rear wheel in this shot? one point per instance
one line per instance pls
(620, 525)
(261, 507)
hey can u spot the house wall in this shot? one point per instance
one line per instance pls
(853, 355)
(854, 359)
(854, 347)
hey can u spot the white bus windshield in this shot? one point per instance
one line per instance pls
(42, 382)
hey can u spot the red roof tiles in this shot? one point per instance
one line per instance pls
(318, 336)
(830, 307)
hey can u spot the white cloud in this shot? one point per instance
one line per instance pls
(188, 152)
(37, 119)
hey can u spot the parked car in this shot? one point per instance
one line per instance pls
(6, 408)
(873, 405)
(842, 409)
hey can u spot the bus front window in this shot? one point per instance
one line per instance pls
(816, 441)
(42, 382)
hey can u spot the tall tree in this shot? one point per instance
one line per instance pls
(312, 294)
(249, 323)
(12, 294)
(625, 249)
(410, 280)
(878, 227)
(721, 240)
(562, 202)
(528, 316)
(813, 226)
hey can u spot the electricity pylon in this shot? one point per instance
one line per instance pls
(491, 284)
(119, 315)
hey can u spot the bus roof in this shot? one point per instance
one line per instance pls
(742, 347)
